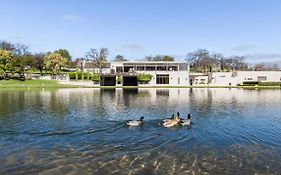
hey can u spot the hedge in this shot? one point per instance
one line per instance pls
(87, 76)
(144, 77)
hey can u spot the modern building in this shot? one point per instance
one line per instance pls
(163, 72)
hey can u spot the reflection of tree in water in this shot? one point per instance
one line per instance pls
(57, 105)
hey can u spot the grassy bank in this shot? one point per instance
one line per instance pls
(55, 84)
(32, 84)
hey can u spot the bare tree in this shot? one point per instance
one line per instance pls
(20, 49)
(99, 57)
(6, 45)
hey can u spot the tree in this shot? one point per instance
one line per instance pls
(6, 62)
(120, 58)
(6, 45)
(39, 61)
(200, 60)
(64, 53)
(99, 57)
(160, 58)
(168, 58)
(55, 62)
(149, 58)
(20, 50)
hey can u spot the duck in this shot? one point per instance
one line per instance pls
(187, 121)
(174, 121)
(135, 122)
(167, 119)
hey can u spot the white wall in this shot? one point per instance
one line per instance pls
(226, 78)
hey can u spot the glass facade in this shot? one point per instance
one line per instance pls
(162, 79)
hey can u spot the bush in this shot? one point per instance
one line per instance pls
(96, 77)
(269, 83)
(72, 75)
(80, 75)
(119, 79)
(144, 78)
(250, 83)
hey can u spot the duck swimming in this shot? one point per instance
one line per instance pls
(167, 119)
(135, 122)
(174, 121)
(186, 122)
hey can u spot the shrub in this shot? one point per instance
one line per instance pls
(96, 77)
(269, 83)
(119, 79)
(144, 78)
(72, 75)
(250, 83)
(79, 75)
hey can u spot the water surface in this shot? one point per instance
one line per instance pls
(82, 131)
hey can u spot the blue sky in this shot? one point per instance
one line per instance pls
(135, 28)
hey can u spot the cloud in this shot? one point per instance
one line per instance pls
(263, 58)
(71, 18)
(130, 47)
(244, 48)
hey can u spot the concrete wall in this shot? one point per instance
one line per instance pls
(234, 78)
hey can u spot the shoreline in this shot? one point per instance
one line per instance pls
(31, 84)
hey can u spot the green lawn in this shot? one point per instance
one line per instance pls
(32, 84)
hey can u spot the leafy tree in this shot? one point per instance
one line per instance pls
(168, 58)
(160, 58)
(6, 62)
(120, 58)
(55, 62)
(64, 53)
(21, 63)
(99, 57)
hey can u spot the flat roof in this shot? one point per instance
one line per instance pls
(149, 62)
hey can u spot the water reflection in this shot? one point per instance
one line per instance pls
(82, 131)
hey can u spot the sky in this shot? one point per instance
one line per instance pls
(137, 28)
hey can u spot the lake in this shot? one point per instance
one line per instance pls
(83, 131)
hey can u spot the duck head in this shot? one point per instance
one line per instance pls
(141, 118)
(188, 116)
(178, 114)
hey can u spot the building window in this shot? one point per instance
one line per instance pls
(128, 68)
(162, 79)
(172, 68)
(150, 68)
(249, 78)
(119, 69)
(140, 68)
(262, 78)
(161, 68)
